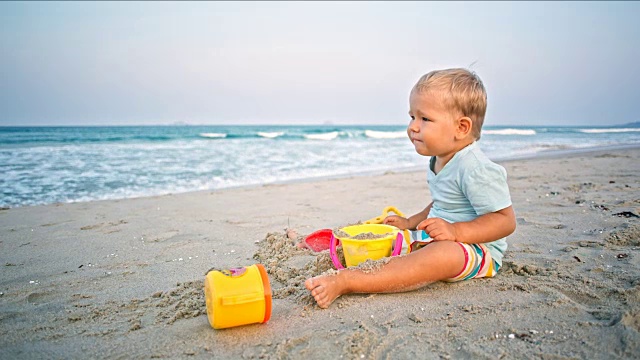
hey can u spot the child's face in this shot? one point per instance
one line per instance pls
(432, 128)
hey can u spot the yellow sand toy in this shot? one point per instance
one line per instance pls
(387, 241)
(237, 296)
(385, 213)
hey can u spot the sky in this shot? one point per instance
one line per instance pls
(137, 63)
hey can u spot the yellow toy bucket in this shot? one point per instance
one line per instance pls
(357, 250)
(238, 296)
(385, 213)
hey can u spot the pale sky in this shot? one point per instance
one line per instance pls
(543, 63)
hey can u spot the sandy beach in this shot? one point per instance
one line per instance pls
(124, 279)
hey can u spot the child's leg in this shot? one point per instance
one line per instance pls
(439, 260)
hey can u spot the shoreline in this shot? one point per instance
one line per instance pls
(545, 154)
(124, 278)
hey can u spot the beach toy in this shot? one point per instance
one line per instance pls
(385, 213)
(237, 296)
(319, 240)
(357, 251)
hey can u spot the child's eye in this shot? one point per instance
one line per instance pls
(412, 117)
(425, 119)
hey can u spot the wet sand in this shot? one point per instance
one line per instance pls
(124, 279)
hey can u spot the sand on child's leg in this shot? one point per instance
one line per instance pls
(438, 261)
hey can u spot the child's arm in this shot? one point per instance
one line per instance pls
(408, 223)
(486, 228)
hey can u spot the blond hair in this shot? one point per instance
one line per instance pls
(461, 91)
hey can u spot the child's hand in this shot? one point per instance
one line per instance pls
(438, 229)
(397, 221)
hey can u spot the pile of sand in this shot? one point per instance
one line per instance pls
(289, 266)
(341, 234)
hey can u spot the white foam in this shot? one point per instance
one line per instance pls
(324, 136)
(51, 172)
(213, 135)
(509, 132)
(385, 134)
(270, 135)
(600, 131)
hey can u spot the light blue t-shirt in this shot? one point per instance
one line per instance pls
(470, 185)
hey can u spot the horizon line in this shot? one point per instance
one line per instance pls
(635, 123)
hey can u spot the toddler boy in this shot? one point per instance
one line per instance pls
(461, 233)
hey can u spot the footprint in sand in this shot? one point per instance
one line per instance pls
(37, 298)
(624, 235)
(91, 227)
(54, 224)
(110, 226)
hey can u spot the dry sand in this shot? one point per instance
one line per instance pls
(124, 279)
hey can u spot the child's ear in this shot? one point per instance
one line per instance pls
(464, 126)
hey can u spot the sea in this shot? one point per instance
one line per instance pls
(45, 165)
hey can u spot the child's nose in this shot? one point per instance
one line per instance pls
(413, 126)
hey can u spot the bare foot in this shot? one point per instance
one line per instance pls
(291, 234)
(325, 289)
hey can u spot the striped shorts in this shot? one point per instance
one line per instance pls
(478, 262)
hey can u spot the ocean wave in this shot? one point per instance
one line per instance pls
(270, 135)
(600, 131)
(510, 132)
(323, 136)
(385, 134)
(213, 135)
